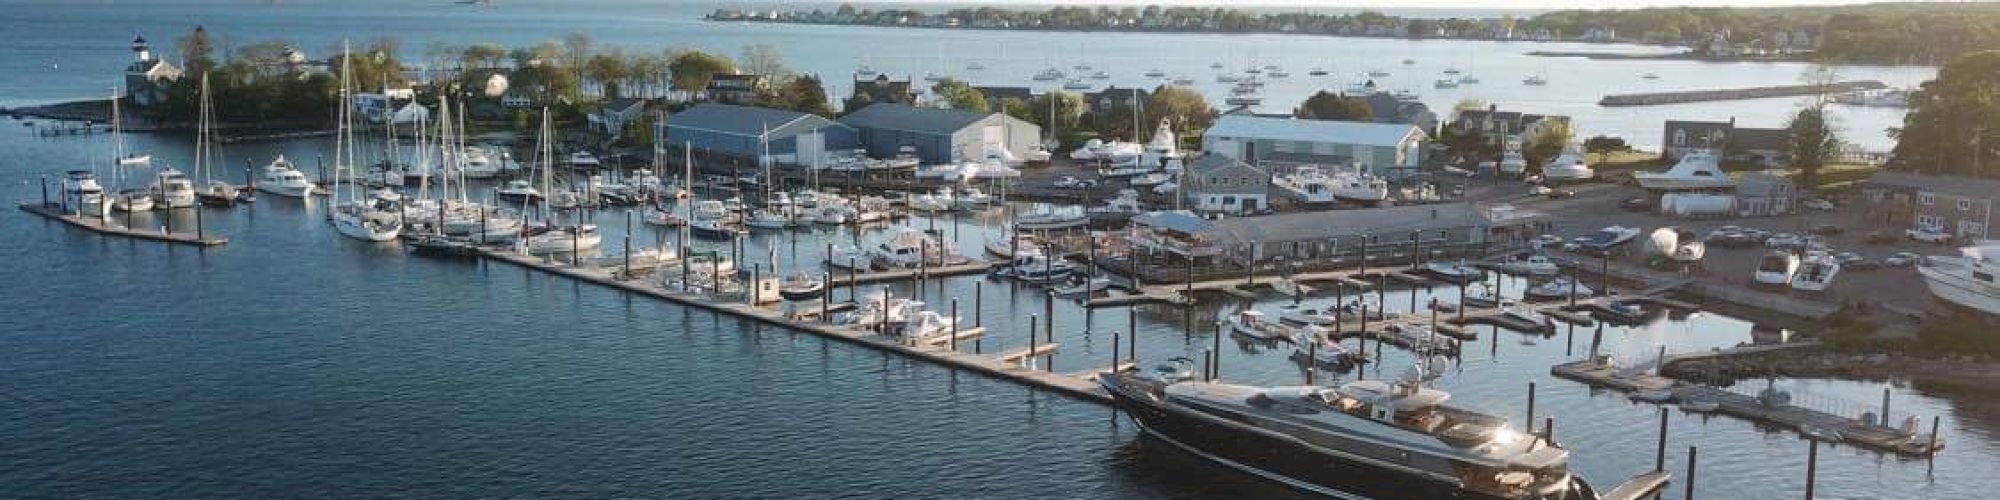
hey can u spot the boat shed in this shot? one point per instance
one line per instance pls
(741, 131)
(940, 135)
(1341, 237)
(1377, 146)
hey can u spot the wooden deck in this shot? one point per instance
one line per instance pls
(101, 226)
(843, 279)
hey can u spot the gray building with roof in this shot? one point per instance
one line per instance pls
(1958, 205)
(1219, 183)
(1329, 239)
(731, 130)
(940, 135)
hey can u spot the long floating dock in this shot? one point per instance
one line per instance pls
(1600, 373)
(1653, 98)
(100, 226)
(994, 365)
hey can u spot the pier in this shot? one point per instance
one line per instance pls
(106, 227)
(1654, 98)
(1600, 372)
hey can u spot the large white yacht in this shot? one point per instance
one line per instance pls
(173, 189)
(1358, 185)
(1816, 272)
(281, 178)
(1966, 280)
(83, 194)
(578, 238)
(1697, 169)
(1308, 184)
(1776, 268)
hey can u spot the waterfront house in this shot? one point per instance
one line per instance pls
(1960, 205)
(148, 78)
(611, 115)
(1114, 97)
(1378, 146)
(883, 89)
(739, 88)
(728, 130)
(1765, 194)
(516, 100)
(941, 135)
(1508, 127)
(1767, 147)
(1223, 184)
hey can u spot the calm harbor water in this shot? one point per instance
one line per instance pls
(296, 362)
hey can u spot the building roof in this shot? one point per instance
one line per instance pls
(1343, 132)
(1766, 139)
(1948, 184)
(1176, 221)
(1388, 223)
(995, 94)
(893, 116)
(1214, 164)
(742, 121)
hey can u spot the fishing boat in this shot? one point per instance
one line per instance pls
(280, 177)
(1364, 439)
(1255, 325)
(1967, 279)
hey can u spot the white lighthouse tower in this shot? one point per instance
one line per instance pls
(147, 78)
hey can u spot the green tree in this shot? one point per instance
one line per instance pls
(1546, 143)
(1812, 142)
(764, 59)
(693, 69)
(197, 51)
(1331, 106)
(1954, 120)
(1604, 145)
(1068, 109)
(955, 94)
(803, 94)
(1187, 111)
(483, 55)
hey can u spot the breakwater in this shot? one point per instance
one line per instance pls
(1656, 98)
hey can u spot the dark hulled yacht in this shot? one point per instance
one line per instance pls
(1374, 439)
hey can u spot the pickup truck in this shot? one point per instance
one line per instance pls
(1928, 235)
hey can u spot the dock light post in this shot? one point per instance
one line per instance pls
(628, 238)
(1114, 353)
(1573, 285)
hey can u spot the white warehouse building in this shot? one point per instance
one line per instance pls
(1380, 147)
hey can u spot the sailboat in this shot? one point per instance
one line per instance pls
(569, 239)
(127, 200)
(356, 218)
(214, 193)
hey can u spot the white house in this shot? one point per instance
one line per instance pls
(1255, 140)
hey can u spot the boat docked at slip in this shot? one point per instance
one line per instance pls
(355, 216)
(1697, 169)
(1776, 268)
(566, 239)
(1044, 217)
(280, 177)
(1560, 288)
(907, 248)
(1816, 272)
(1309, 345)
(1609, 238)
(1364, 439)
(1255, 325)
(1538, 264)
(1966, 280)
(1455, 272)
(172, 189)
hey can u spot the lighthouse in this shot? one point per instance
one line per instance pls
(141, 51)
(147, 78)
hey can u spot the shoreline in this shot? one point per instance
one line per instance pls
(1969, 373)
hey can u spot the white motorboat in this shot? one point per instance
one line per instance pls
(849, 257)
(131, 200)
(1163, 151)
(1358, 185)
(1567, 167)
(519, 190)
(1512, 163)
(582, 238)
(970, 198)
(281, 178)
(1076, 84)
(1676, 244)
(1611, 237)
(1127, 202)
(1037, 268)
(1537, 264)
(1455, 272)
(1816, 272)
(661, 217)
(582, 160)
(1697, 169)
(1152, 179)
(476, 163)
(84, 195)
(1308, 184)
(801, 286)
(173, 189)
(1087, 288)
(1045, 217)
(907, 248)
(1115, 152)
(765, 218)
(1255, 325)
(915, 322)
(937, 202)
(1303, 315)
(1322, 350)
(1776, 268)
(1966, 280)
(1526, 313)
(1005, 245)
(1048, 75)
(1560, 288)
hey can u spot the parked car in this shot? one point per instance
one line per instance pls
(1640, 204)
(1928, 235)
(1820, 204)
(1827, 229)
(1785, 240)
(1903, 259)
(1548, 240)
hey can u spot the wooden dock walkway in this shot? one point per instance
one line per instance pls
(975, 267)
(1687, 96)
(1601, 373)
(1641, 486)
(989, 365)
(101, 226)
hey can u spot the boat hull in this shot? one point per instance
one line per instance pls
(1279, 458)
(1960, 290)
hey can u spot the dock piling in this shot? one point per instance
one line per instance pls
(954, 324)
(1028, 361)
(1131, 335)
(978, 312)
(45, 189)
(1660, 449)
(1217, 367)
(1812, 465)
(825, 297)
(1549, 429)
(1689, 494)
(1531, 402)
